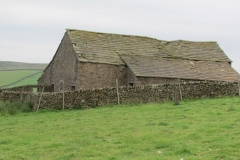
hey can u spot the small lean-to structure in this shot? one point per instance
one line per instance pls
(87, 60)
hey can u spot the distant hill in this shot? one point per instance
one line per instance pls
(19, 73)
(7, 65)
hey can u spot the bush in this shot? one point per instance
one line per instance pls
(12, 108)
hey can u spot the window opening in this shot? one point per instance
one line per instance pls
(131, 84)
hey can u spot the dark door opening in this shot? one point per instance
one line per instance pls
(73, 88)
(52, 88)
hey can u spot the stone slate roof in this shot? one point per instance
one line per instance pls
(150, 57)
(183, 69)
(106, 48)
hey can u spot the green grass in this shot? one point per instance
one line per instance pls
(8, 77)
(196, 129)
(27, 81)
(7, 108)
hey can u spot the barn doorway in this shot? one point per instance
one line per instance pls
(73, 88)
(131, 84)
(61, 85)
(52, 87)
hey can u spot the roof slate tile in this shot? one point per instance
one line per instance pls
(150, 57)
(178, 68)
(113, 45)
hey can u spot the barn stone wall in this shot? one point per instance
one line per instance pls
(46, 76)
(133, 80)
(151, 80)
(155, 80)
(127, 95)
(63, 68)
(98, 75)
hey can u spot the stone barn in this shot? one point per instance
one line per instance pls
(87, 60)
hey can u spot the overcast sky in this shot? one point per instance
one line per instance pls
(31, 30)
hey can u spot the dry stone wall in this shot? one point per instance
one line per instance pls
(127, 95)
(19, 96)
(28, 88)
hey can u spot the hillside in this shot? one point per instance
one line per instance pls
(195, 129)
(7, 65)
(19, 77)
(18, 73)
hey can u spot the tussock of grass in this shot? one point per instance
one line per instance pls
(7, 108)
(192, 130)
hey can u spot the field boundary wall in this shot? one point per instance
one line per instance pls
(127, 95)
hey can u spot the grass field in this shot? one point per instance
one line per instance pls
(11, 72)
(27, 81)
(8, 77)
(196, 129)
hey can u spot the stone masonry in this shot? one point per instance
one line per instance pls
(62, 69)
(93, 75)
(127, 95)
(87, 60)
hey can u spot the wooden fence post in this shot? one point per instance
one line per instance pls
(180, 91)
(117, 92)
(40, 98)
(238, 85)
(63, 96)
(21, 96)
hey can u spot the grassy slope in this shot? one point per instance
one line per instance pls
(29, 80)
(191, 130)
(14, 71)
(8, 77)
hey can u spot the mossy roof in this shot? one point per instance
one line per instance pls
(179, 68)
(107, 48)
(150, 57)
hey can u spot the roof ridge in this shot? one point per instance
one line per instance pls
(181, 40)
(128, 35)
